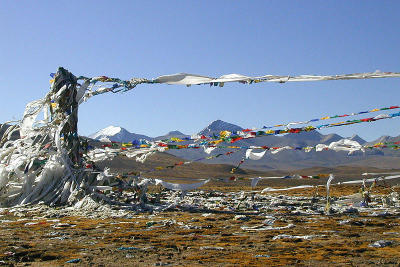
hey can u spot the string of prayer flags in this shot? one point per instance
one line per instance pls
(232, 137)
(119, 85)
(192, 79)
(341, 145)
(252, 134)
(331, 117)
(246, 134)
(255, 180)
(238, 165)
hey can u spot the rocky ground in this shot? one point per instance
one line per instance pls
(219, 225)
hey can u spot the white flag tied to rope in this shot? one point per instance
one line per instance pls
(192, 79)
(328, 184)
(208, 150)
(255, 181)
(342, 145)
(254, 156)
(180, 187)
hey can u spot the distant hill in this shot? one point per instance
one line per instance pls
(384, 139)
(175, 133)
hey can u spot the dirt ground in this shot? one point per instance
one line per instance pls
(198, 237)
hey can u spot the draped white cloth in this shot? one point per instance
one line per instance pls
(254, 156)
(181, 187)
(192, 79)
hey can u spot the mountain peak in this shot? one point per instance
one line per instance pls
(108, 131)
(111, 130)
(219, 125)
(358, 139)
(329, 138)
(383, 139)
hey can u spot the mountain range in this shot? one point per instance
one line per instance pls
(119, 134)
(290, 159)
(285, 160)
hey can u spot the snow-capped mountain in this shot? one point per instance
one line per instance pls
(219, 125)
(285, 160)
(117, 134)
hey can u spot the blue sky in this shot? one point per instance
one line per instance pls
(150, 38)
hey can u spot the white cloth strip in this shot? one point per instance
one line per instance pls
(192, 79)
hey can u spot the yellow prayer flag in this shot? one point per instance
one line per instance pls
(338, 123)
(174, 139)
(309, 128)
(126, 144)
(216, 142)
(225, 134)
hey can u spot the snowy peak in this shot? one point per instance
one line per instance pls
(219, 125)
(117, 134)
(110, 130)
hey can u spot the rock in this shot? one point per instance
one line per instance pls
(381, 244)
(241, 218)
(211, 248)
(262, 256)
(73, 261)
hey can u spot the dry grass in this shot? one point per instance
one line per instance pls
(215, 240)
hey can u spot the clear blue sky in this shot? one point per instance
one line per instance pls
(150, 38)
